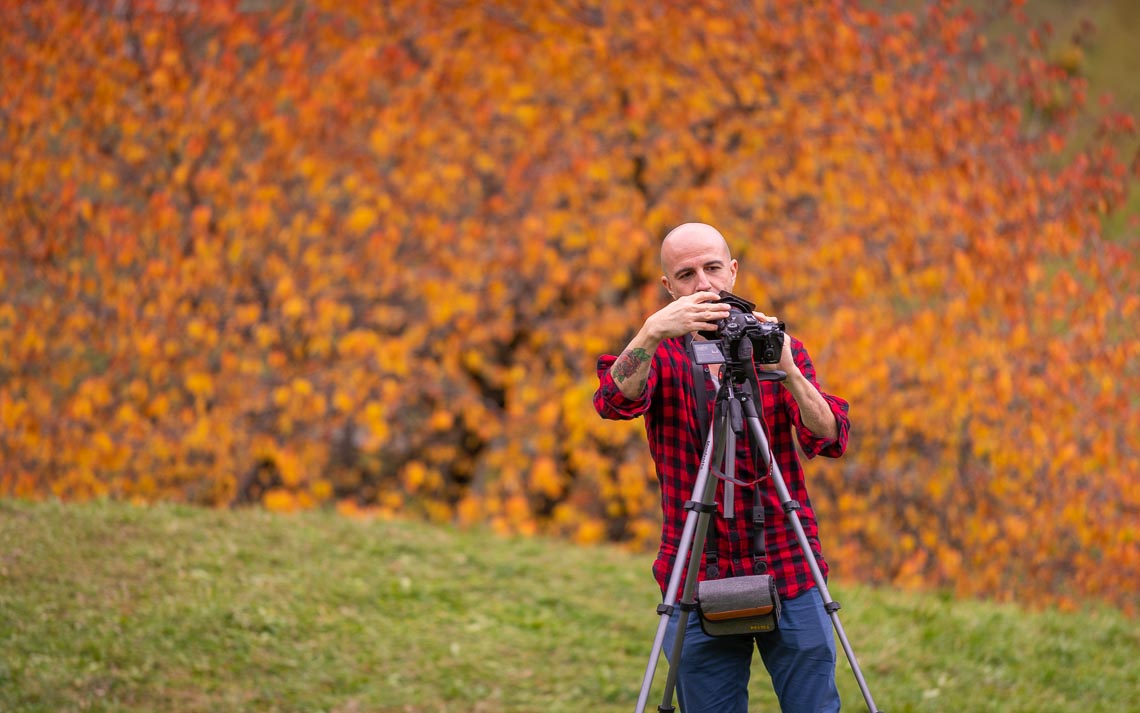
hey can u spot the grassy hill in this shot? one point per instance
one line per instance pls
(108, 607)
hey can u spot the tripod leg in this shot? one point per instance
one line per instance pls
(706, 507)
(790, 508)
(691, 548)
(692, 541)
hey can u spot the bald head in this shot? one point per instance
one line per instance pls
(686, 235)
(695, 257)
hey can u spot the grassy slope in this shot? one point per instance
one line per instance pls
(116, 608)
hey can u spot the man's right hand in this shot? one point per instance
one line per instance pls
(684, 315)
(691, 313)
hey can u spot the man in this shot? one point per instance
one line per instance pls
(654, 378)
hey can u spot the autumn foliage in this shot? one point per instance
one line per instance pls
(366, 253)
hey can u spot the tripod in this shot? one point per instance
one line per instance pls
(734, 407)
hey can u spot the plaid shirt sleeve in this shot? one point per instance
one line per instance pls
(610, 402)
(812, 444)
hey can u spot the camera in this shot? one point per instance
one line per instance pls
(765, 340)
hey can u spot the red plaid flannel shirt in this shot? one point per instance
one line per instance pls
(675, 442)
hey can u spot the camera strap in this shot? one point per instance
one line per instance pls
(704, 418)
(701, 393)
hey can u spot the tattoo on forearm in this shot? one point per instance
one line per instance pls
(629, 362)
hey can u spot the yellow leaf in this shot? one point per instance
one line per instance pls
(200, 384)
(544, 477)
(278, 500)
(361, 219)
(293, 308)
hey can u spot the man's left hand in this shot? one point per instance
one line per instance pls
(786, 364)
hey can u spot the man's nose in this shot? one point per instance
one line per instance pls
(703, 282)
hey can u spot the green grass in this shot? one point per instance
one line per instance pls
(108, 607)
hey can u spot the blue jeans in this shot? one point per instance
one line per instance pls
(800, 658)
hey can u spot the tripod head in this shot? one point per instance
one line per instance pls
(737, 361)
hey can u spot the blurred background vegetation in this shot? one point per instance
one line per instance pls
(363, 256)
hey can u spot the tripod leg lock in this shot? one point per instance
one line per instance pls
(831, 607)
(666, 609)
(700, 507)
(791, 506)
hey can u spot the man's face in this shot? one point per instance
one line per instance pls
(697, 261)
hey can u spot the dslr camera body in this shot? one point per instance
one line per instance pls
(762, 342)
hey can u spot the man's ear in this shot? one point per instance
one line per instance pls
(665, 282)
